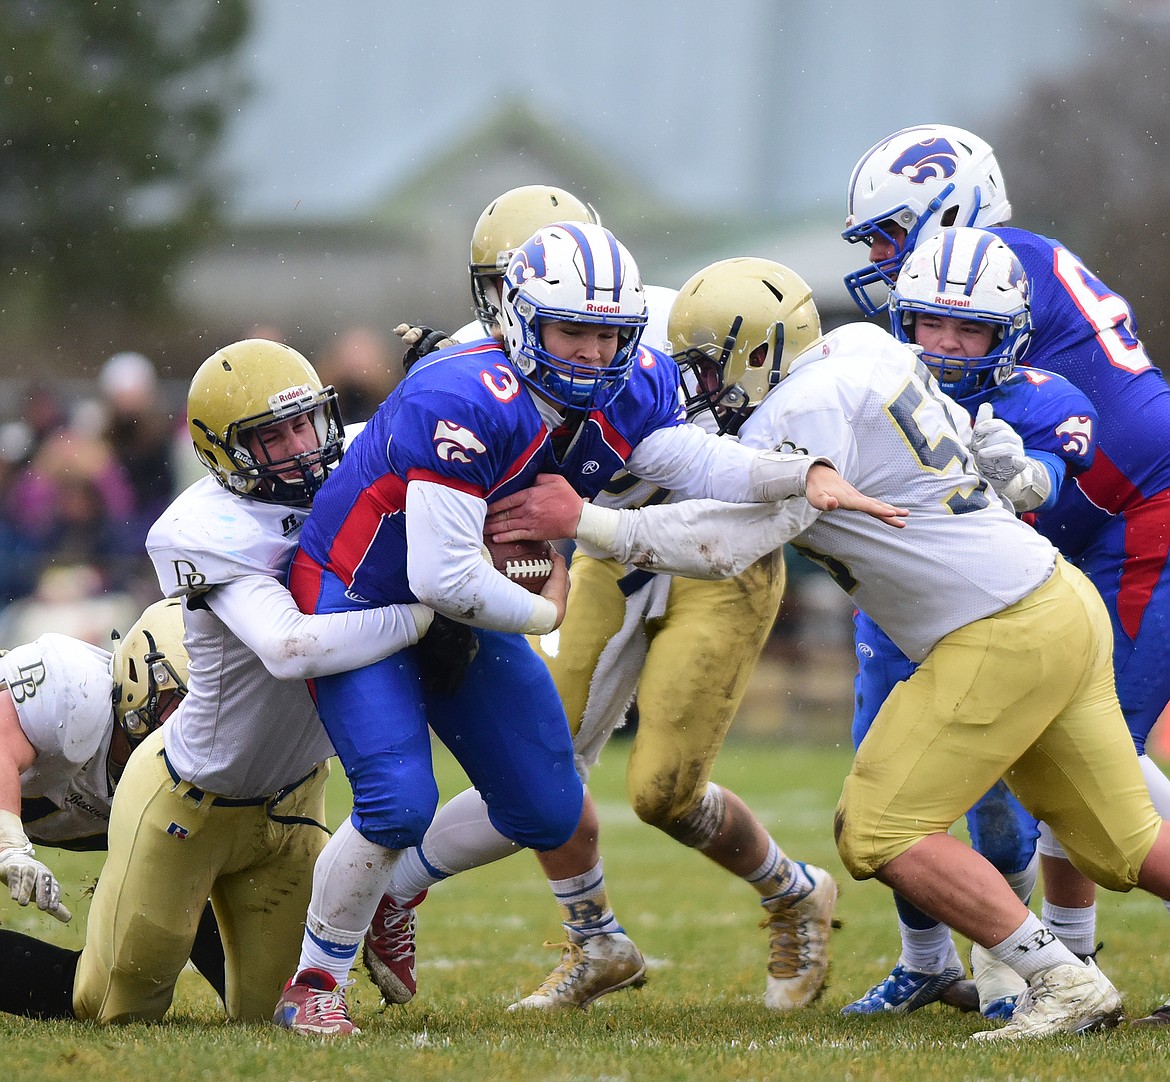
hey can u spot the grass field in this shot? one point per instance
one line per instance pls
(699, 1016)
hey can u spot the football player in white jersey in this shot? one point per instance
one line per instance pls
(1015, 676)
(226, 801)
(686, 648)
(70, 715)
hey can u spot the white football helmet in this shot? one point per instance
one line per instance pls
(506, 223)
(965, 274)
(920, 179)
(734, 330)
(581, 273)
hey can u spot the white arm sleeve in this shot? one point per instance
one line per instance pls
(295, 646)
(696, 464)
(701, 539)
(447, 570)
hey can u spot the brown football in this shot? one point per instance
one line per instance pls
(527, 563)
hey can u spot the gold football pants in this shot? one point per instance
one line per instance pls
(171, 848)
(702, 651)
(1027, 695)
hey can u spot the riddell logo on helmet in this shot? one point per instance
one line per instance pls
(604, 309)
(953, 302)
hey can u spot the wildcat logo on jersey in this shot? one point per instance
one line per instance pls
(1076, 435)
(30, 677)
(454, 443)
(932, 159)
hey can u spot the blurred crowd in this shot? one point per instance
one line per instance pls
(86, 469)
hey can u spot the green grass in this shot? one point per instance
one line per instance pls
(698, 1017)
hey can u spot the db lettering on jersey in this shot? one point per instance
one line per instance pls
(30, 678)
(454, 443)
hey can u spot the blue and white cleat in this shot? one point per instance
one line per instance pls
(904, 991)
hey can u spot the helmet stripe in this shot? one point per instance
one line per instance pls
(981, 246)
(591, 283)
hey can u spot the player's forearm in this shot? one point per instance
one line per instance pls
(696, 464)
(702, 539)
(297, 646)
(447, 571)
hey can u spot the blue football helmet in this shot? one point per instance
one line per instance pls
(577, 272)
(965, 274)
(920, 180)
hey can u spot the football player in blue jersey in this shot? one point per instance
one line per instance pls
(1114, 521)
(684, 648)
(570, 391)
(962, 298)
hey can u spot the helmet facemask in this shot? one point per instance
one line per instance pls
(965, 274)
(576, 274)
(735, 328)
(293, 480)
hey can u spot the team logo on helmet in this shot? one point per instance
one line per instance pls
(528, 260)
(931, 159)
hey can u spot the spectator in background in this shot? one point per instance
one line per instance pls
(359, 366)
(139, 430)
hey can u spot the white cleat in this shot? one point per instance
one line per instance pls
(1072, 998)
(590, 968)
(798, 945)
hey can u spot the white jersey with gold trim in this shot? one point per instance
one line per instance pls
(866, 402)
(239, 732)
(62, 690)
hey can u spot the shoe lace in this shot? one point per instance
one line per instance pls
(788, 942)
(324, 1006)
(572, 958)
(396, 937)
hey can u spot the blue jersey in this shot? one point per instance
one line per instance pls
(1086, 333)
(465, 420)
(1057, 423)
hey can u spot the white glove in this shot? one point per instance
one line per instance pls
(30, 881)
(997, 447)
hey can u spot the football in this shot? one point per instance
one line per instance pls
(527, 563)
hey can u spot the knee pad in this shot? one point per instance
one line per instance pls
(698, 828)
(1002, 830)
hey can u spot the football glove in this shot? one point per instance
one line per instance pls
(444, 654)
(30, 881)
(997, 447)
(420, 341)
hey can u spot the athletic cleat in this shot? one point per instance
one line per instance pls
(1000, 986)
(904, 991)
(798, 944)
(389, 949)
(1065, 999)
(590, 968)
(1159, 1017)
(313, 1003)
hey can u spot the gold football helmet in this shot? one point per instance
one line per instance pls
(254, 383)
(734, 329)
(506, 223)
(149, 662)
